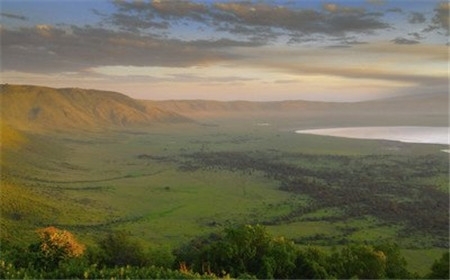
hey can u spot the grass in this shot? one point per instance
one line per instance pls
(95, 182)
(303, 229)
(420, 260)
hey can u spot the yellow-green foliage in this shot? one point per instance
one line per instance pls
(54, 241)
(20, 208)
(10, 137)
(23, 209)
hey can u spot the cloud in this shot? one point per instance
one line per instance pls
(335, 8)
(134, 23)
(416, 35)
(195, 74)
(260, 21)
(236, 42)
(442, 17)
(46, 48)
(341, 46)
(150, 14)
(354, 23)
(376, 2)
(394, 10)
(181, 8)
(45, 30)
(334, 19)
(404, 41)
(370, 74)
(266, 15)
(402, 65)
(416, 17)
(14, 16)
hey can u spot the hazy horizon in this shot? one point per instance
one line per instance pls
(340, 51)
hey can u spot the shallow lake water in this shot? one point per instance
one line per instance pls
(408, 134)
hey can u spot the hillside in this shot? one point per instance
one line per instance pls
(43, 108)
(424, 104)
(424, 109)
(10, 137)
(436, 104)
(207, 108)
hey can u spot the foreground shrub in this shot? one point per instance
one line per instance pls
(66, 271)
(440, 268)
(241, 251)
(244, 250)
(359, 261)
(54, 246)
(311, 263)
(118, 249)
(396, 265)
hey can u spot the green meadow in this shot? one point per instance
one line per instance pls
(166, 185)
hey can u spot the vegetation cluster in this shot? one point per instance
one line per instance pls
(358, 185)
(244, 251)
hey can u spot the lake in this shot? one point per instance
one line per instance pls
(408, 134)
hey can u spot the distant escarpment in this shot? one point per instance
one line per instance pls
(36, 108)
(44, 108)
(423, 104)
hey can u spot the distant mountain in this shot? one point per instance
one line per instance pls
(208, 108)
(423, 109)
(42, 108)
(35, 107)
(426, 104)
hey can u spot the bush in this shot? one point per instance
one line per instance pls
(396, 265)
(358, 261)
(118, 249)
(77, 271)
(311, 263)
(243, 250)
(160, 256)
(440, 268)
(54, 246)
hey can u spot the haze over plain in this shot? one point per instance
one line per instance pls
(227, 50)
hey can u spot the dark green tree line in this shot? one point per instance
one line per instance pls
(244, 251)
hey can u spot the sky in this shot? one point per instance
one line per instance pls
(338, 50)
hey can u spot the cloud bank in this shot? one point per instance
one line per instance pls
(242, 44)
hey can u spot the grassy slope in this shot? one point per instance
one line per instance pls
(10, 137)
(40, 108)
(27, 204)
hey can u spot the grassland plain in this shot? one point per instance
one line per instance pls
(152, 183)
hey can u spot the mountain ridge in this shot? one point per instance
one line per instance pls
(28, 107)
(35, 107)
(423, 105)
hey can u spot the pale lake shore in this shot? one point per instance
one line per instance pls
(407, 134)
